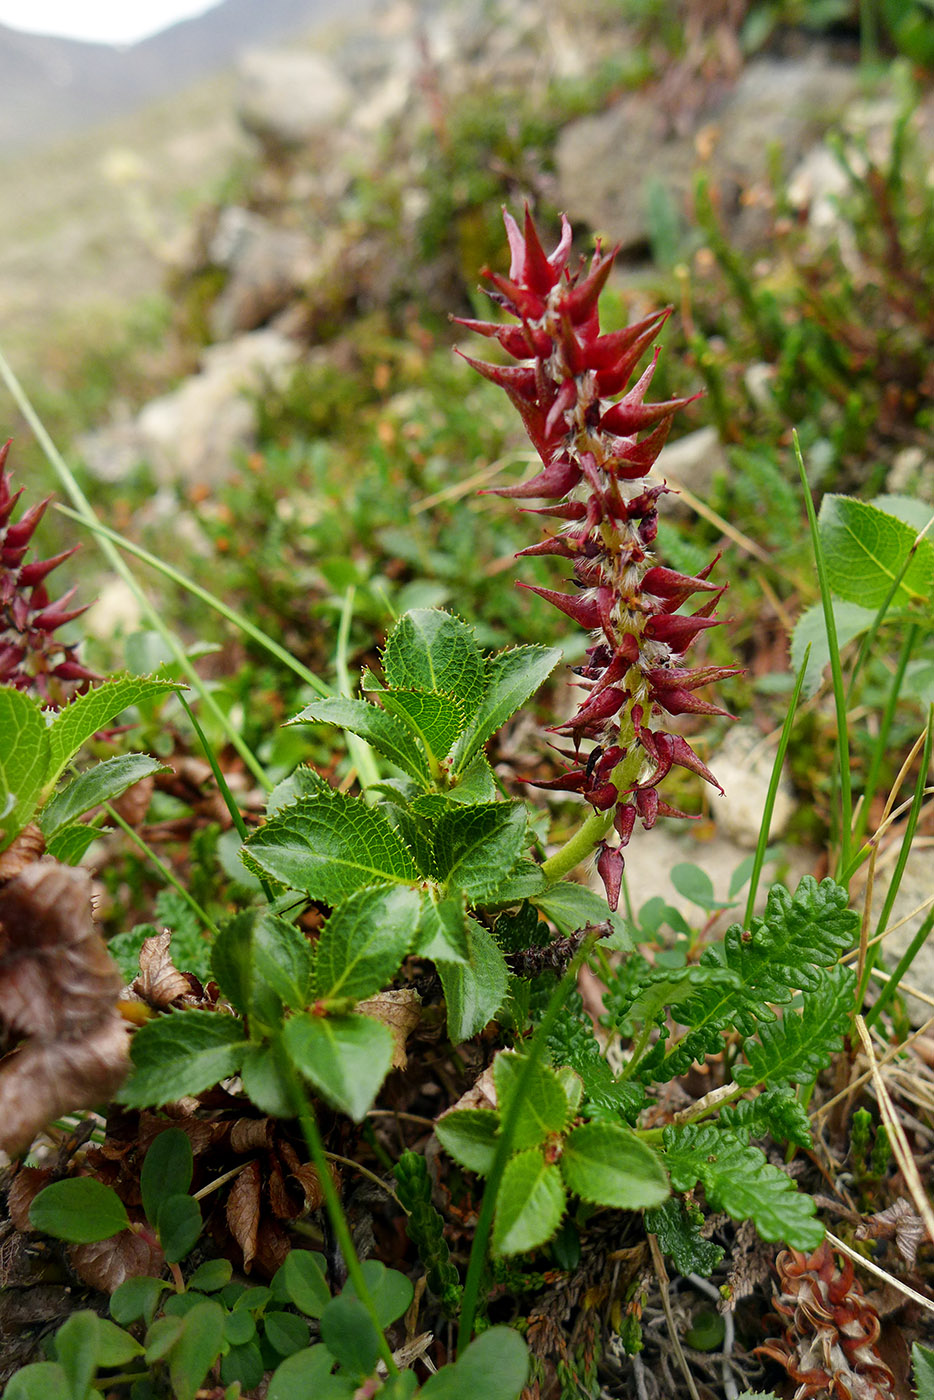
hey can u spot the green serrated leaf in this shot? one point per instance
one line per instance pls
(346, 1058)
(542, 1108)
(184, 1053)
(476, 848)
(24, 761)
(469, 1135)
(431, 650)
(264, 1084)
(436, 719)
(167, 1170)
(474, 991)
(529, 1204)
(304, 782)
(572, 907)
(524, 881)
(865, 550)
(494, 1367)
(738, 1179)
(80, 1209)
(364, 942)
(512, 678)
(282, 959)
(382, 731)
(923, 1363)
(850, 620)
(71, 843)
(796, 1049)
(475, 784)
(678, 1225)
(442, 929)
(607, 1165)
(232, 959)
(775, 1111)
(330, 846)
(101, 784)
(86, 714)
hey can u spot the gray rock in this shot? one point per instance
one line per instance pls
(693, 462)
(267, 266)
(290, 99)
(607, 164)
(743, 767)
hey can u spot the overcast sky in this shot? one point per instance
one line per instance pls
(107, 21)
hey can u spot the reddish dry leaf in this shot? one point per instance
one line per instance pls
(25, 1186)
(57, 980)
(401, 1012)
(41, 1081)
(108, 1263)
(243, 1211)
(251, 1134)
(159, 982)
(273, 1243)
(281, 1203)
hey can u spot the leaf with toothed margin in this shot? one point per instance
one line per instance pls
(512, 678)
(473, 990)
(476, 847)
(435, 718)
(107, 781)
(87, 713)
(431, 650)
(529, 1204)
(382, 731)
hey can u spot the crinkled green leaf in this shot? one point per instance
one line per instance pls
(442, 929)
(469, 1135)
(364, 942)
(512, 678)
(431, 650)
(607, 1165)
(330, 846)
(572, 907)
(475, 784)
(382, 731)
(474, 991)
(923, 1365)
(775, 1111)
(865, 549)
(24, 760)
(436, 719)
(303, 782)
(79, 720)
(850, 621)
(183, 1053)
(738, 1179)
(542, 1107)
(678, 1224)
(475, 848)
(101, 784)
(529, 1204)
(282, 959)
(795, 1049)
(80, 1209)
(494, 1367)
(524, 881)
(346, 1058)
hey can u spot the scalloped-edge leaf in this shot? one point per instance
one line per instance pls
(738, 1179)
(530, 1203)
(381, 731)
(77, 721)
(329, 847)
(435, 718)
(364, 941)
(795, 1049)
(346, 1058)
(776, 1112)
(512, 678)
(429, 649)
(677, 1223)
(475, 848)
(103, 783)
(474, 991)
(180, 1054)
(865, 550)
(543, 1107)
(605, 1164)
(469, 1136)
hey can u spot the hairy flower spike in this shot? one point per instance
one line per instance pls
(595, 465)
(30, 656)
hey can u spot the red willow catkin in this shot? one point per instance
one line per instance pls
(595, 470)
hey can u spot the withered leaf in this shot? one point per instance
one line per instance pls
(243, 1211)
(400, 1010)
(159, 982)
(26, 1184)
(23, 850)
(251, 1134)
(272, 1245)
(57, 979)
(42, 1080)
(899, 1220)
(108, 1263)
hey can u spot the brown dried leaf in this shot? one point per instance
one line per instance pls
(243, 1211)
(38, 1082)
(108, 1263)
(401, 1012)
(308, 1179)
(57, 980)
(273, 1243)
(280, 1202)
(25, 1186)
(23, 850)
(159, 982)
(251, 1134)
(133, 804)
(900, 1221)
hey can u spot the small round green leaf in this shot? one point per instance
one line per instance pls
(167, 1170)
(179, 1225)
(243, 1364)
(607, 1165)
(301, 1280)
(390, 1292)
(136, 1298)
(44, 1380)
(530, 1203)
(80, 1210)
(305, 1373)
(349, 1334)
(285, 1332)
(239, 1328)
(115, 1347)
(76, 1349)
(197, 1349)
(212, 1275)
(494, 1367)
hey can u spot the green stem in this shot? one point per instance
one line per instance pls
(578, 847)
(86, 514)
(360, 751)
(891, 986)
(533, 1054)
(885, 725)
(304, 1113)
